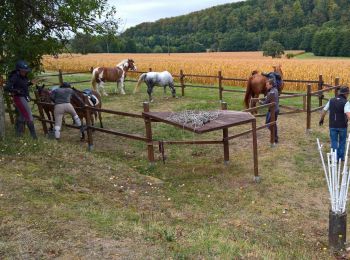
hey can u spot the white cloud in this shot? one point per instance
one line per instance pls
(139, 11)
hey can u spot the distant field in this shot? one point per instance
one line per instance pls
(232, 64)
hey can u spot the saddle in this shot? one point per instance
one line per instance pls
(93, 100)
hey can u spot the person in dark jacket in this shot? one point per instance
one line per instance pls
(272, 96)
(339, 113)
(18, 85)
(61, 97)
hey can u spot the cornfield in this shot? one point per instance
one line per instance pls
(232, 65)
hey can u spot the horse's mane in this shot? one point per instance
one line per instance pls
(122, 62)
(254, 72)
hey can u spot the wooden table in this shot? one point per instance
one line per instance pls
(225, 120)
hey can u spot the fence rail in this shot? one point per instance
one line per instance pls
(322, 88)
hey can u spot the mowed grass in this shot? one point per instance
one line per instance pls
(58, 200)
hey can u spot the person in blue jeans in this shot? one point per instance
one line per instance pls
(271, 96)
(339, 113)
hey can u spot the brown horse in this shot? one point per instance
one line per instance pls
(44, 96)
(117, 74)
(257, 85)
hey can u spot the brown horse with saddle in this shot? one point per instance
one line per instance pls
(88, 97)
(257, 84)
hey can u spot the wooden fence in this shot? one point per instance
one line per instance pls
(321, 88)
(147, 136)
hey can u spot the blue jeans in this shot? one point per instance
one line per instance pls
(268, 120)
(338, 140)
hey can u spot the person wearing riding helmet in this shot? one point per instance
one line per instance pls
(62, 97)
(18, 85)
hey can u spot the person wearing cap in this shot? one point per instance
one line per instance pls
(18, 85)
(272, 96)
(62, 97)
(339, 114)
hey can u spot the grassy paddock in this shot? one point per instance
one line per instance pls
(58, 200)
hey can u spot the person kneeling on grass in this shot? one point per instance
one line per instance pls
(61, 97)
(272, 96)
(339, 113)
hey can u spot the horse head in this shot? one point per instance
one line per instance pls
(127, 64)
(43, 92)
(278, 69)
(131, 65)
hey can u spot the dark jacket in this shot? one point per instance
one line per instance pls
(18, 85)
(272, 96)
(337, 117)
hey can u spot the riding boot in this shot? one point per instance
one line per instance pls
(32, 130)
(19, 128)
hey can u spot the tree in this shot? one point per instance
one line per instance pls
(109, 32)
(272, 48)
(83, 43)
(31, 28)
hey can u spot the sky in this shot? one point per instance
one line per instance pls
(133, 12)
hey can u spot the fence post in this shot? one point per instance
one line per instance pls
(273, 127)
(60, 76)
(88, 125)
(41, 112)
(320, 86)
(148, 134)
(308, 109)
(225, 140)
(336, 83)
(220, 85)
(182, 83)
(255, 152)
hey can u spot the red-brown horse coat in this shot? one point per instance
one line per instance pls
(257, 85)
(109, 74)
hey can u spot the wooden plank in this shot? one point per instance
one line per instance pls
(199, 142)
(117, 133)
(225, 119)
(120, 113)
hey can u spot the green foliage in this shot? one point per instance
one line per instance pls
(31, 28)
(244, 26)
(290, 55)
(273, 49)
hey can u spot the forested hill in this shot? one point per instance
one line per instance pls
(321, 26)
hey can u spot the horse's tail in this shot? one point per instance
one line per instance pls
(141, 79)
(94, 79)
(248, 93)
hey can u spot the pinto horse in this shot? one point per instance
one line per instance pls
(44, 96)
(117, 74)
(257, 85)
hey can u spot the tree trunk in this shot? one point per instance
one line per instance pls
(2, 110)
